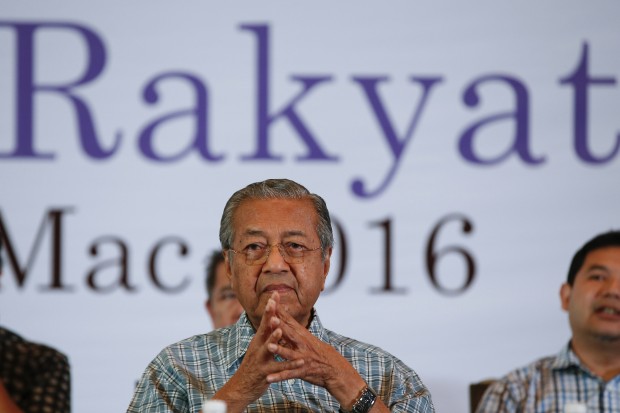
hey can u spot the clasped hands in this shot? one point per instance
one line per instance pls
(304, 357)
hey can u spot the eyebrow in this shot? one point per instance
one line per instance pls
(597, 267)
(289, 233)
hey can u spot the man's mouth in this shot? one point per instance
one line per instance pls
(608, 310)
(277, 287)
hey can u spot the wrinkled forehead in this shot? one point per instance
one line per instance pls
(279, 218)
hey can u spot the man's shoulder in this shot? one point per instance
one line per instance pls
(20, 356)
(338, 339)
(199, 341)
(377, 365)
(211, 345)
(353, 347)
(525, 375)
(15, 344)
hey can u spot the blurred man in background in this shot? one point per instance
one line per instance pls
(585, 375)
(222, 304)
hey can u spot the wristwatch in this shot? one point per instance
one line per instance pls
(364, 403)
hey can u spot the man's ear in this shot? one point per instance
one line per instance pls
(228, 267)
(565, 292)
(208, 307)
(326, 265)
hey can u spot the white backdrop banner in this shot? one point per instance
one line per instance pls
(465, 150)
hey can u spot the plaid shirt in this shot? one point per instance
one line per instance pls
(548, 385)
(186, 373)
(36, 377)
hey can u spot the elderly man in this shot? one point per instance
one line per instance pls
(278, 356)
(585, 375)
(221, 304)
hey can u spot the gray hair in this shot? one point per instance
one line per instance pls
(277, 189)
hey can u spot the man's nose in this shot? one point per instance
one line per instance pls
(275, 259)
(613, 285)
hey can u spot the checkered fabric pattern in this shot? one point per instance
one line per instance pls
(186, 373)
(550, 384)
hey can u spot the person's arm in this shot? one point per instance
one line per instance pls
(7, 405)
(408, 393)
(159, 390)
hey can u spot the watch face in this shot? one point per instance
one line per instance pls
(365, 402)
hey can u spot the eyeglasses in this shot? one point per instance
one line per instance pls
(291, 252)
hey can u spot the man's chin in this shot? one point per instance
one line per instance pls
(608, 336)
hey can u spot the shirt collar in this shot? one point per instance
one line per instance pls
(566, 358)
